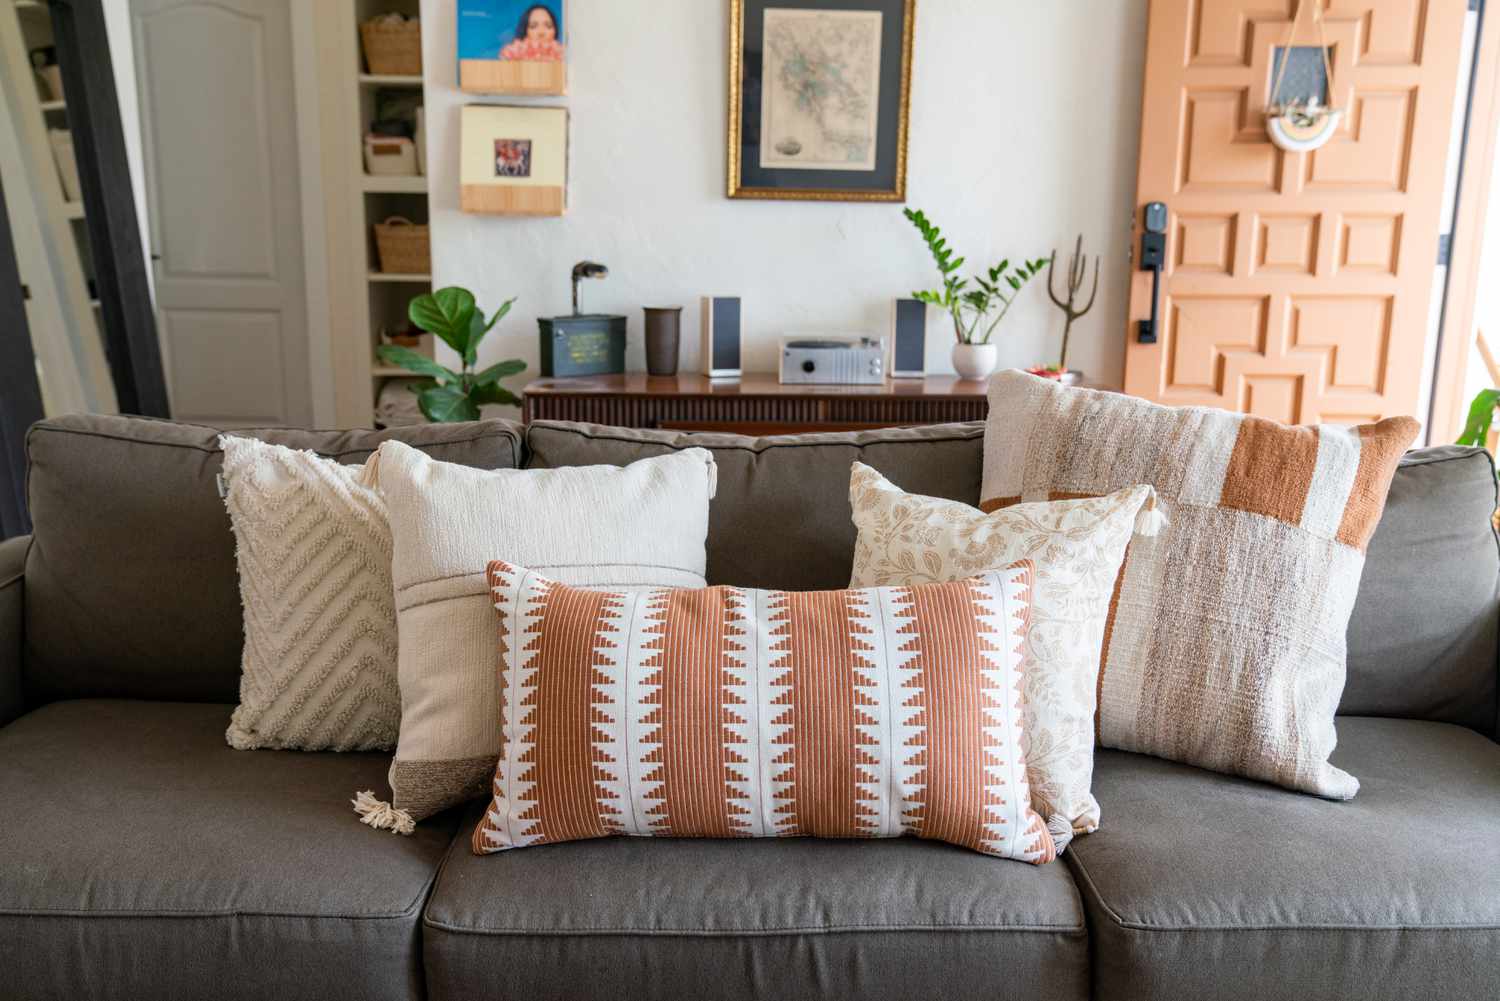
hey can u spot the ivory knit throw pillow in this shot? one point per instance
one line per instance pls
(1077, 548)
(1226, 646)
(643, 525)
(735, 713)
(313, 548)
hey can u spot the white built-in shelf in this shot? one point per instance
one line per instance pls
(395, 185)
(73, 210)
(54, 105)
(389, 80)
(400, 279)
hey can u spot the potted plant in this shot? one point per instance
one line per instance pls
(977, 309)
(446, 396)
(1477, 427)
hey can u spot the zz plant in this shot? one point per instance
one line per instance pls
(976, 309)
(446, 396)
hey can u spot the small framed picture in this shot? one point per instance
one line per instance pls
(512, 160)
(512, 157)
(818, 98)
(512, 47)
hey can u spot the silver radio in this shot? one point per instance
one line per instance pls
(849, 361)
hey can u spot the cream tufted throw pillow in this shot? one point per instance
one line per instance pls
(314, 552)
(1076, 547)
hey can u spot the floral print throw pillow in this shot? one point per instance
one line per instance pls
(1078, 547)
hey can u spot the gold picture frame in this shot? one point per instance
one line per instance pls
(739, 185)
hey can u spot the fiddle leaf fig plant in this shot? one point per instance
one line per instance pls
(976, 309)
(446, 396)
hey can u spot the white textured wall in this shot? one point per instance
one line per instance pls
(1024, 130)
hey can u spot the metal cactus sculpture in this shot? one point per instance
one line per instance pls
(1077, 272)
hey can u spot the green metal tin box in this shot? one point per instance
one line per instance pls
(582, 345)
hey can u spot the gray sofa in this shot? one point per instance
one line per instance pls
(141, 857)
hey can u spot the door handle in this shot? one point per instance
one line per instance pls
(1153, 259)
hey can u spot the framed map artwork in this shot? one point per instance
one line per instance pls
(818, 96)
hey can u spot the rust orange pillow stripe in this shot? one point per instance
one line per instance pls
(726, 712)
(1225, 641)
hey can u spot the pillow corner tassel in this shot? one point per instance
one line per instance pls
(381, 815)
(1061, 829)
(1151, 519)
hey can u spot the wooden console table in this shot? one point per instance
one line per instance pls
(752, 404)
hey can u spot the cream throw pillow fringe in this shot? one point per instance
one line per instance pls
(380, 815)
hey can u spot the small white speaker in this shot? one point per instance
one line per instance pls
(722, 325)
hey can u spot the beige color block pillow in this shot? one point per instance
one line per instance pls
(1076, 548)
(1227, 647)
(643, 525)
(314, 553)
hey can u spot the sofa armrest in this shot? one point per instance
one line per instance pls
(12, 566)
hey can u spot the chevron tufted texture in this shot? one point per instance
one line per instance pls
(314, 552)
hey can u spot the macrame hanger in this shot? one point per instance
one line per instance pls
(1286, 58)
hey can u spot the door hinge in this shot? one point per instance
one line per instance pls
(1445, 249)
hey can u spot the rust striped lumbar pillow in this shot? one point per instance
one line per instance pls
(724, 712)
(1225, 646)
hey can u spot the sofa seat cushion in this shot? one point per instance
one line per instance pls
(143, 857)
(791, 918)
(1199, 885)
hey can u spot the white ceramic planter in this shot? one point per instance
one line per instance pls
(975, 361)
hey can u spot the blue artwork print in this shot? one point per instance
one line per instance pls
(511, 30)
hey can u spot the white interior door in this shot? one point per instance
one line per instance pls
(219, 130)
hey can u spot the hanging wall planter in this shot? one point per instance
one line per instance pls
(1304, 122)
(1303, 128)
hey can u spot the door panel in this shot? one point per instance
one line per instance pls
(1297, 285)
(244, 342)
(218, 118)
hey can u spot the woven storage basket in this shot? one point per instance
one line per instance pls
(392, 47)
(404, 248)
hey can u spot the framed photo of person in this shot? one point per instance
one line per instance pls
(512, 47)
(513, 161)
(818, 98)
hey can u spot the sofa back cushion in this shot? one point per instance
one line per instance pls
(1422, 638)
(781, 518)
(131, 588)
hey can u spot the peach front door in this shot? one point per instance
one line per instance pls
(1297, 286)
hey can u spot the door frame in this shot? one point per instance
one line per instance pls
(121, 273)
(20, 394)
(1477, 161)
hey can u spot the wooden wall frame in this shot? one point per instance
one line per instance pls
(20, 395)
(1456, 331)
(120, 266)
(489, 76)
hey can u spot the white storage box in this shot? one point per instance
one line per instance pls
(390, 156)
